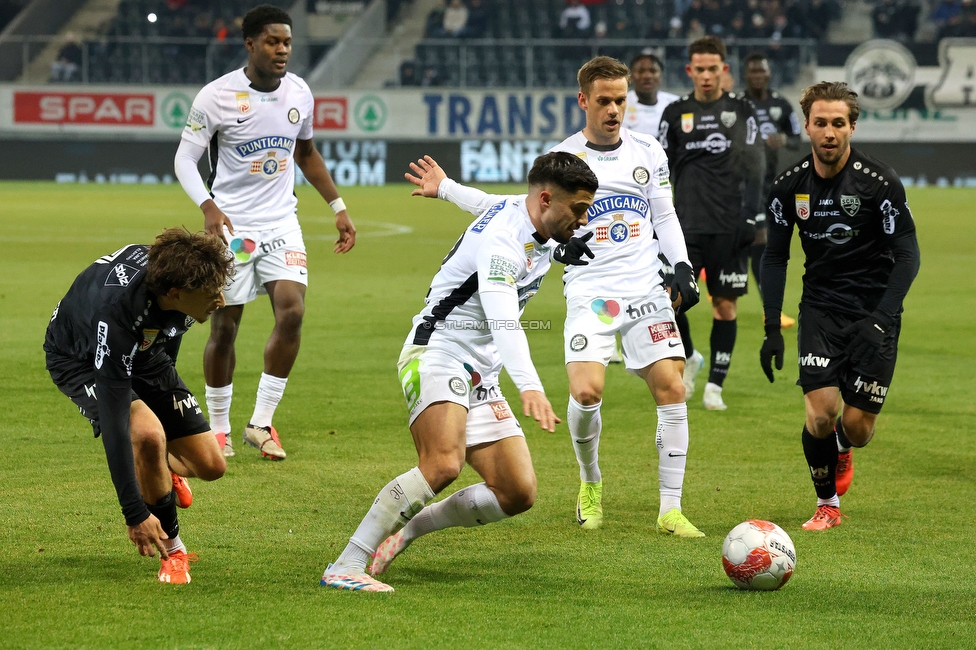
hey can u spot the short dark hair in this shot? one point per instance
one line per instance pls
(180, 259)
(648, 55)
(565, 171)
(600, 67)
(707, 45)
(754, 56)
(255, 20)
(830, 91)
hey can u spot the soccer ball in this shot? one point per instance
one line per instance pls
(758, 555)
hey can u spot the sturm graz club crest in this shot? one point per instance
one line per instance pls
(641, 175)
(577, 343)
(458, 386)
(851, 204)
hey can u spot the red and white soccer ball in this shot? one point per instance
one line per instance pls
(758, 555)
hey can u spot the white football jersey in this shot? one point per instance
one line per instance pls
(643, 118)
(631, 174)
(500, 248)
(251, 136)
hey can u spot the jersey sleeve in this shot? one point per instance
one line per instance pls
(501, 261)
(663, 216)
(898, 229)
(469, 199)
(204, 117)
(753, 162)
(790, 125)
(666, 135)
(777, 254)
(305, 133)
(115, 347)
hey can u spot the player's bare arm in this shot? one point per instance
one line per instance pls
(536, 405)
(310, 161)
(427, 176)
(214, 220)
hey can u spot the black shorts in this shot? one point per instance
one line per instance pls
(162, 390)
(823, 361)
(726, 266)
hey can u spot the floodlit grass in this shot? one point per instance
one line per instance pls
(900, 572)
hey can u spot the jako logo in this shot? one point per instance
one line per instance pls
(811, 360)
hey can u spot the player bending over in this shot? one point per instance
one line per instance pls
(862, 254)
(111, 348)
(449, 370)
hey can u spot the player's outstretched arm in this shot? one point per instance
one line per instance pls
(432, 182)
(185, 165)
(310, 161)
(148, 536)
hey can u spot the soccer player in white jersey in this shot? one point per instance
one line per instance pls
(646, 101)
(449, 371)
(257, 123)
(615, 292)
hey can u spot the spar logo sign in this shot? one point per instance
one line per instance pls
(110, 109)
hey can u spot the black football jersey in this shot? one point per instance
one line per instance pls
(110, 323)
(846, 226)
(775, 115)
(716, 159)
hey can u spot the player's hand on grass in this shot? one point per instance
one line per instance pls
(428, 177)
(571, 253)
(148, 536)
(867, 335)
(347, 233)
(214, 220)
(536, 404)
(684, 289)
(772, 348)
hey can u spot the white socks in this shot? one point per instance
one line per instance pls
(175, 544)
(584, 427)
(475, 505)
(270, 390)
(394, 506)
(833, 501)
(672, 447)
(218, 407)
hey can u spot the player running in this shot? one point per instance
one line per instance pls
(111, 348)
(779, 129)
(862, 255)
(257, 123)
(716, 167)
(632, 220)
(449, 370)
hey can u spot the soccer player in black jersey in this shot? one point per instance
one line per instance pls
(780, 129)
(861, 254)
(111, 347)
(716, 159)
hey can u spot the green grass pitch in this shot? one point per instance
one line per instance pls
(900, 572)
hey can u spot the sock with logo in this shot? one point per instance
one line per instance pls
(684, 329)
(672, 450)
(218, 407)
(843, 444)
(475, 505)
(585, 424)
(821, 455)
(723, 341)
(394, 506)
(270, 390)
(165, 511)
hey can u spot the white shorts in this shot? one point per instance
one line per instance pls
(428, 377)
(264, 256)
(648, 332)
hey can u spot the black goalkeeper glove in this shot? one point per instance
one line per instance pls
(867, 335)
(683, 284)
(571, 253)
(772, 347)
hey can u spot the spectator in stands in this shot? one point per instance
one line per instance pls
(884, 18)
(408, 74)
(574, 21)
(431, 77)
(816, 19)
(477, 20)
(944, 13)
(969, 19)
(67, 66)
(434, 26)
(695, 30)
(455, 18)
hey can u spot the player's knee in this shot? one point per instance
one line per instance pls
(671, 391)
(441, 470)
(820, 425)
(289, 319)
(212, 469)
(223, 331)
(148, 440)
(588, 395)
(859, 434)
(520, 496)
